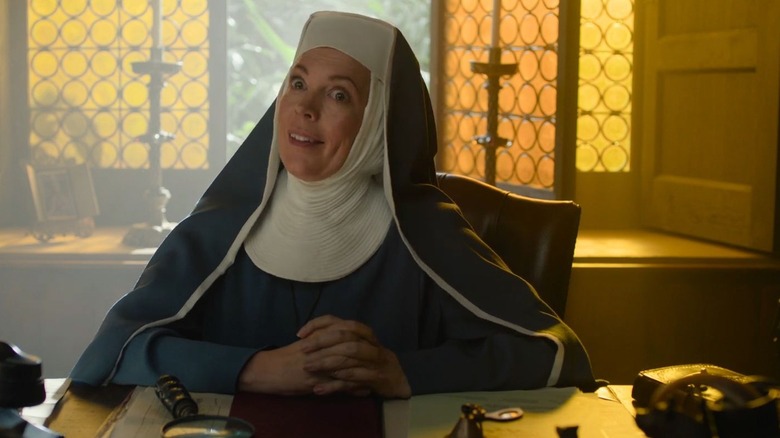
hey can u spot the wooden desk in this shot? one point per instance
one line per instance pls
(83, 411)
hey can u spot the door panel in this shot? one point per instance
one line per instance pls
(710, 119)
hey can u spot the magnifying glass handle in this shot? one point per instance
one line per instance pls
(175, 397)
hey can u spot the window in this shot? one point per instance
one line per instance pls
(86, 102)
(531, 34)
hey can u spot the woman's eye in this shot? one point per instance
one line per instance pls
(340, 95)
(296, 84)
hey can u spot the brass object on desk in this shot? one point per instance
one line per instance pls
(472, 416)
(187, 422)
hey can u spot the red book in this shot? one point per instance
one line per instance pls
(325, 416)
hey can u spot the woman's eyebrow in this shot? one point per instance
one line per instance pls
(336, 77)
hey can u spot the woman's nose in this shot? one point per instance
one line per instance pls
(308, 107)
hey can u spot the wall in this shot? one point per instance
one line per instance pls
(639, 316)
(53, 311)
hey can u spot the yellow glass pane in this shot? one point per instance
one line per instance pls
(548, 66)
(44, 33)
(103, 32)
(617, 67)
(134, 32)
(527, 99)
(134, 125)
(194, 33)
(588, 97)
(194, 94)
(194, 125)
(528, 65)
(193, 8)
(74, 64)
(193, 155)
(529, 29)
(135, 155)
(547, 97)
(135, 94)
(618, 36)
(46, 124)
(103, 63)
(44, 63)
(102, 8)
(614, 158)
(505, 165)
(549, 28)
(587, 157)
(75, 93)
(546, 171)
(590, 67)
(615, 128)
(194, 64)
(590, 36)
(617, 97)
(73, 32)
(509, 30)
(44, 93)
(43, 7)
(74, 8)
(587, 127)
(526, 135)
(525, 170)
(547, 137)
(134, 7)
(590, 9)
(104, 93)
(619, 9)
(104, 124)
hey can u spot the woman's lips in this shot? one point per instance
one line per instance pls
(303, 139)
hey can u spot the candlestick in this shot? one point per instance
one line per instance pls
(156, 23)
(152, 232)
(496, 24)
(493, 69)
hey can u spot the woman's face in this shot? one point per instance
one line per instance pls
(320, 112)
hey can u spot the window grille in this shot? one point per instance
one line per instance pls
(87, 105)
(605, 91)
(529, 35)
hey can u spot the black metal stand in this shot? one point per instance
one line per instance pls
(493, 69)
(156, 228)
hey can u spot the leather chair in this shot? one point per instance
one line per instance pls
(534, 237)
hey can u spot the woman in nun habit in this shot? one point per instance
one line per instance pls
(324, 259)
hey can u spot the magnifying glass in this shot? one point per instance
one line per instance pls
(187, 423)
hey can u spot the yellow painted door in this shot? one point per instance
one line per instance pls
(709, 118)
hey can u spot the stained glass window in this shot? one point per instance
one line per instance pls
(606, 73)
(87, 104)
(529, 36)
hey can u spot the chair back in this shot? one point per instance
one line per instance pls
(534, 237)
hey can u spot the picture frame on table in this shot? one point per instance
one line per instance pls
(64, 199)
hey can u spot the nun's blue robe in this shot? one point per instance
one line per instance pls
(441, 346)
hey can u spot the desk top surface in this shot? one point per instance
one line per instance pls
(87, 412)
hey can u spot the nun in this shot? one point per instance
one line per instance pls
(324, 259)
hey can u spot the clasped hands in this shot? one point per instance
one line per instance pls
(331, 356)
